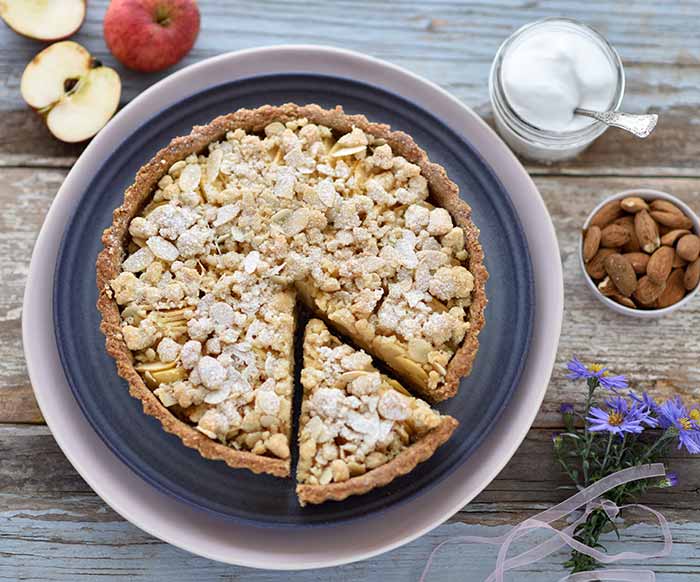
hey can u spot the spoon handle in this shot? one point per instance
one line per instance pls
(639, 125)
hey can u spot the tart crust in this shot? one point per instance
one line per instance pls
(403, 463)
(442, 190)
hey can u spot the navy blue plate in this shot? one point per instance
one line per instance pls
(160, 458)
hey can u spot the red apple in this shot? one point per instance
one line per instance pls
(150, 35)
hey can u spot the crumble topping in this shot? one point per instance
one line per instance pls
(230, 237)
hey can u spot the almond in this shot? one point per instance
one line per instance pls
(595, 267)
(692, 275)
(638, 261)
(678, 261)
(647, 231)
(591, 243)
(632, 244)
(606, 214)
(607, 287)
(647, 291)
(660, 264)
(625, 220)
(622, 274)
(688, 247)
(662, 205)
(614, 236)
(672, 236)
(622, 300)
(672, 219)
(634, 204)
(674, 291)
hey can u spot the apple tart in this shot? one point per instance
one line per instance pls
(359, 429)
(224, 231)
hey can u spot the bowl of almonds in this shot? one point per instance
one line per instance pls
(640, 253)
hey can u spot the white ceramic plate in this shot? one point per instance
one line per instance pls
(203, 534)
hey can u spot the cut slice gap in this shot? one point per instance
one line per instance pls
(359, 429)
(339, 332)
(303, 315)
(383, 349)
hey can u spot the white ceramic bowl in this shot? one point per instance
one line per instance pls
(648, 195)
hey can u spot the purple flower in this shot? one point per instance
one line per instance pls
(566, 408)
(647, 401)
(556, 439)
(578, 371)
(673, 415)
(613, 383)
(619, 417)
(645, 407)
(670, 480)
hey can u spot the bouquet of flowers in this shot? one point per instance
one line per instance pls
(625, 430)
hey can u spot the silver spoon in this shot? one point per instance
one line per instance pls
(639, 125)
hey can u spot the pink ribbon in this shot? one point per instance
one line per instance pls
(590, 497)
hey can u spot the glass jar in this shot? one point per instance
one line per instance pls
(526, 139)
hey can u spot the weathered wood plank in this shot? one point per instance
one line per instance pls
(31, 464)
(25, 141)
(54, 528)
(75, 537)
(669, 151)
(25, 196)
(436, 39)
(18, 404)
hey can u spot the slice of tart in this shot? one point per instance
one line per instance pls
(220, 366)
(358, 429)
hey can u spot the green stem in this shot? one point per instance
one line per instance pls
(588, 437)
(662, 440)
(607, 454)
(564, 465)
(621, 450)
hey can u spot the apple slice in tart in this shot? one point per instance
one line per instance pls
(359, 429)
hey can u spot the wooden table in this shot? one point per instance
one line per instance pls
(53, 527)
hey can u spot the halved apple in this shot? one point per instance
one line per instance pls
(43, 19)
(75, 93)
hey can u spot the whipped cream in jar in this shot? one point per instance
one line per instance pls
(544, 71)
